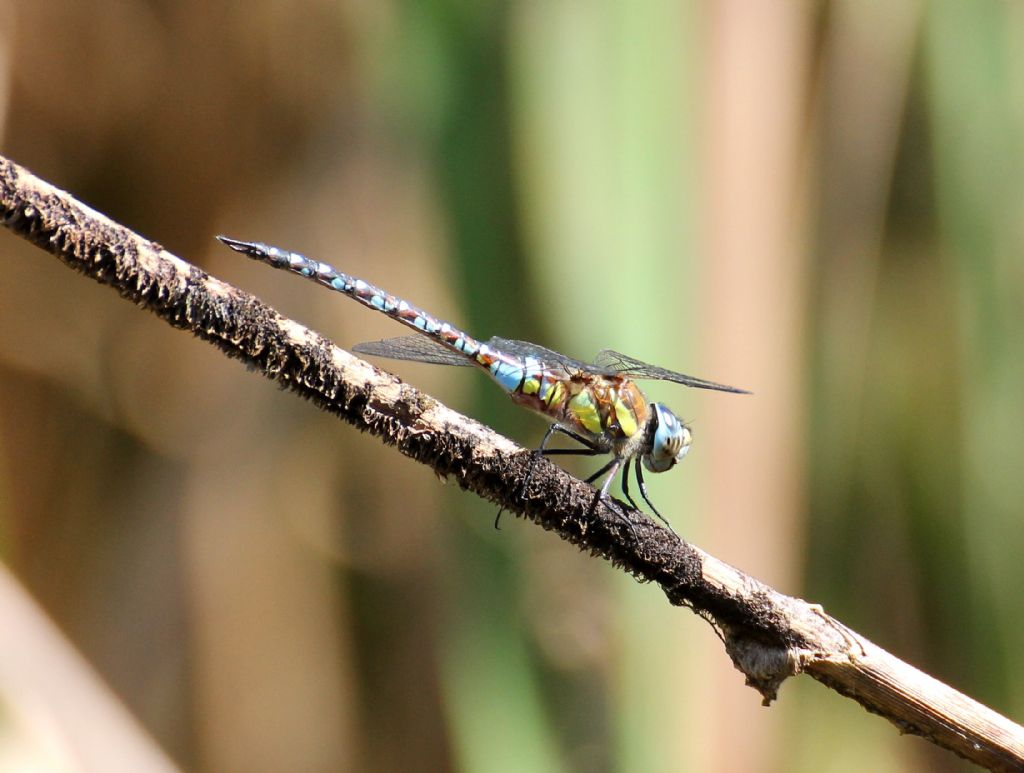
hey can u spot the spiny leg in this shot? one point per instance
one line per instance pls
(602, 494)
(581, 439)
(543, 450)
(647, 499)
(625, 485)
(612, 465)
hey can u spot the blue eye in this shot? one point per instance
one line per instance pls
(670, 442)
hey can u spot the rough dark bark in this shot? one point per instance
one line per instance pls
(768, 636)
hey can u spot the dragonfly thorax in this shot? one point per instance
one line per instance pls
(669, 440)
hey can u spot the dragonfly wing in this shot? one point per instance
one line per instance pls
(416, 348)
(634, 368)
(548, 357)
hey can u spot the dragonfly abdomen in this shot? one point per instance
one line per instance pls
(370, 296)
(509, 371)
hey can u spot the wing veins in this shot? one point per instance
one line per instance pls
(414, 348)
(547, 357)
(634, 368)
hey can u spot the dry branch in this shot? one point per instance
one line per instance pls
(768, 635)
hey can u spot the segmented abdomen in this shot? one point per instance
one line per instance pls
(509, 371)
(613, 408)
(364, 292)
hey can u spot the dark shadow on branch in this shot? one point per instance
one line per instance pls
(768, 636)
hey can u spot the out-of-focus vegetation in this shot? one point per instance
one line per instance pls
(823, 203)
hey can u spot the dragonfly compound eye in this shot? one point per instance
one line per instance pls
(670, 442)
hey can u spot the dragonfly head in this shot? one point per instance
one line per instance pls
(670, 440)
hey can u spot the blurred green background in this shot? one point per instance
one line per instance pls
(820, 202)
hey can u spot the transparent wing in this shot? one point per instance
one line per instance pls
(416, 348)
(548, 357)
(633, 368)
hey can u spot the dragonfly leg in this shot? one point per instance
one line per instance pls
(602, 494)
(529, 473)
(647, 499)
(590, 450)
(613, 466)
(542, 450)
(625, 485)
(585, 441)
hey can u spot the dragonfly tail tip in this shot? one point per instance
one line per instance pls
(235, 244)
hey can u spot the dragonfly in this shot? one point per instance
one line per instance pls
(597, 404)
